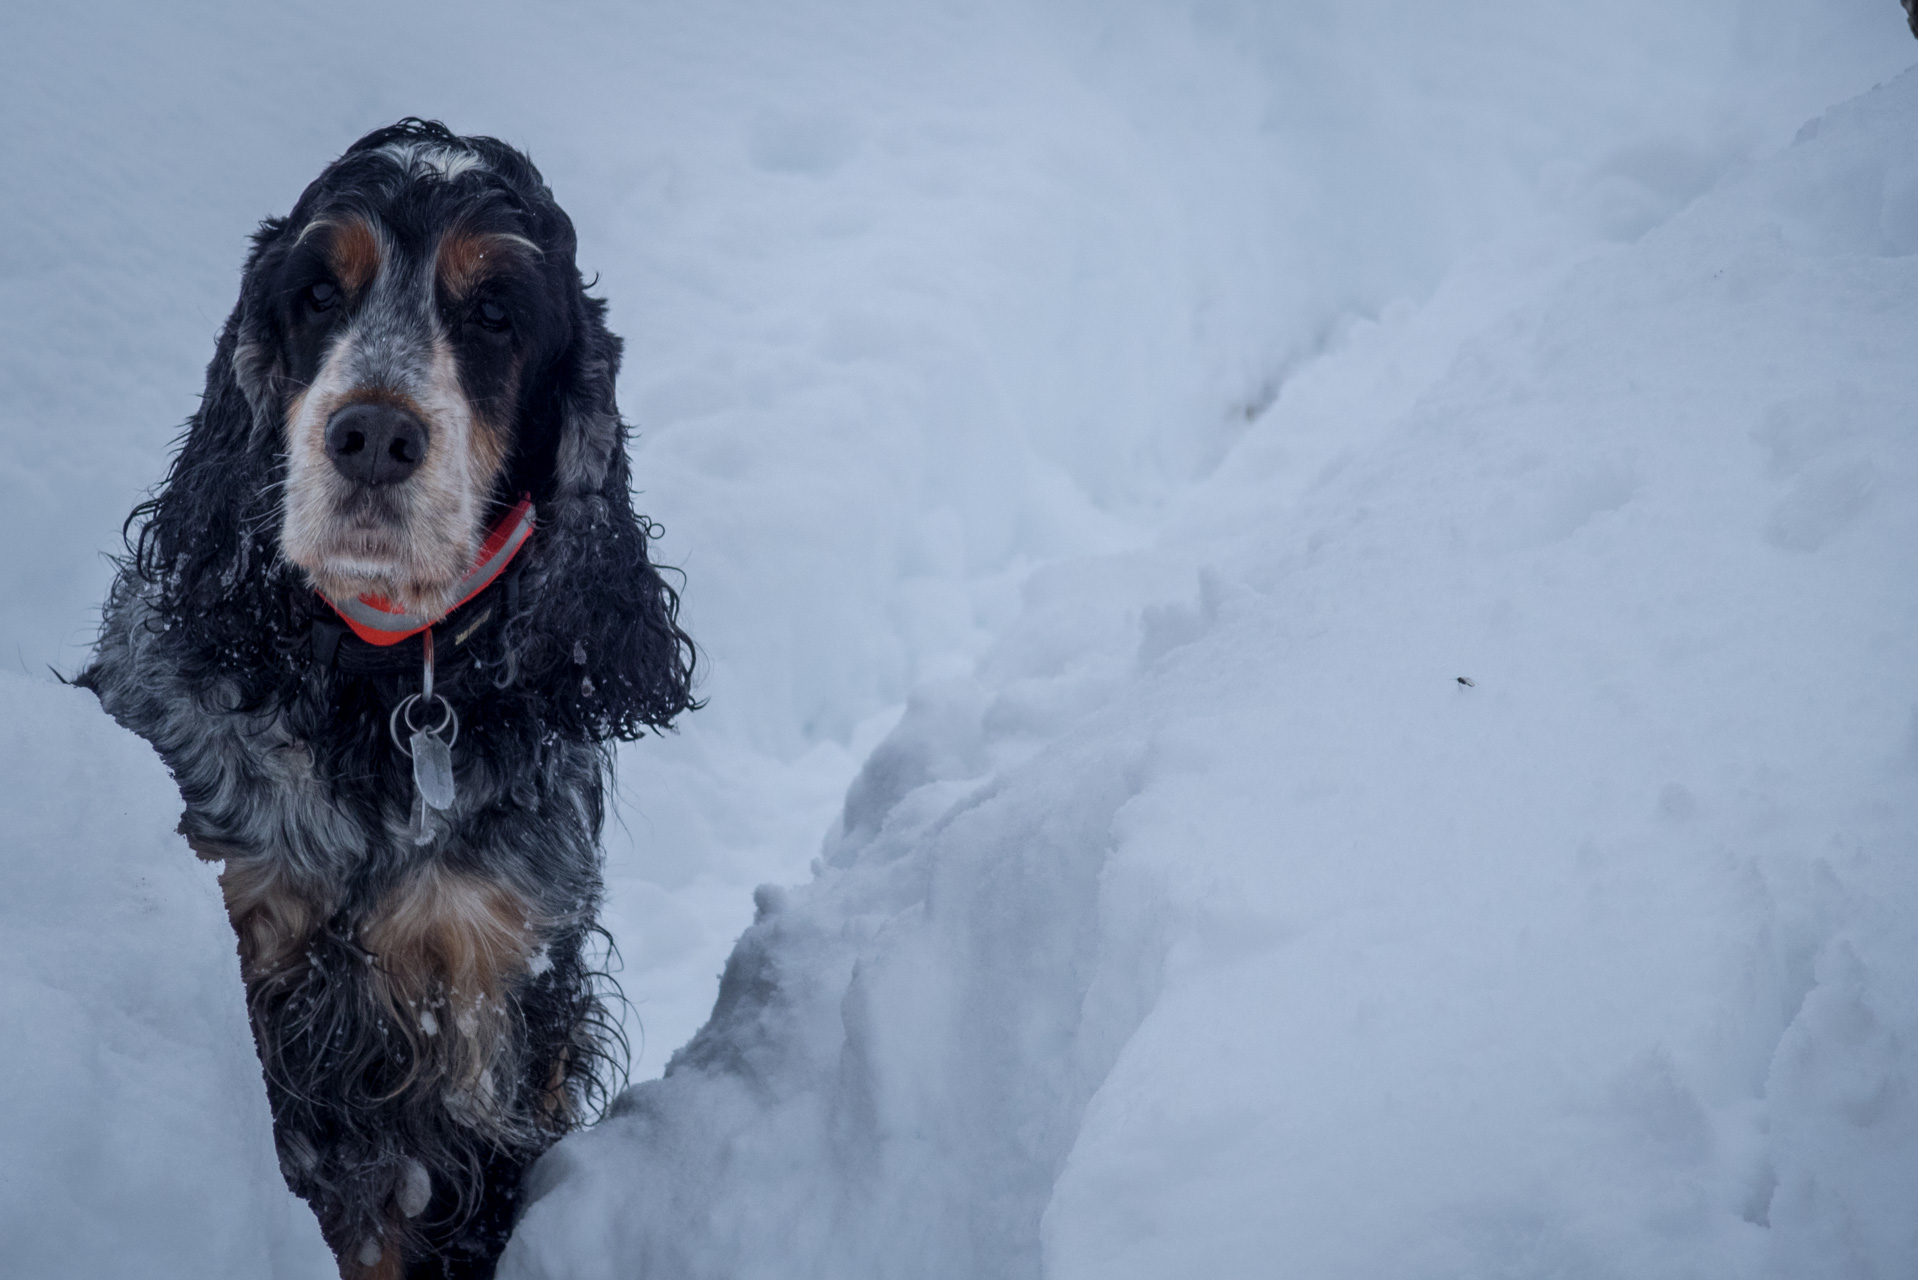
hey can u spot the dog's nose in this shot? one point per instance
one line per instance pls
(375, 444)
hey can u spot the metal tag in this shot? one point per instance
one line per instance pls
(433, 769)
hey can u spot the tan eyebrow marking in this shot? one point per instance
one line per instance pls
(353, 250)
(468, 257)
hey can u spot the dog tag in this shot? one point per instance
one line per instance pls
(432, 754)
(433, 769)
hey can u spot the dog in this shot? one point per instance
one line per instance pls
(384, 620)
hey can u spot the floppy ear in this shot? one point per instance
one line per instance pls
(203, 549)
(589, 426)
(255, 362)
(598, 636)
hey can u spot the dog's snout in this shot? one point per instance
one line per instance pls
(375, 444)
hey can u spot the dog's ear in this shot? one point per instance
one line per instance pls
(599, 634)
(204, 527)
(255, 362)
(203, 552)
(589, 427)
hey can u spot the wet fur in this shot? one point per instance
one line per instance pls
(430, 1011)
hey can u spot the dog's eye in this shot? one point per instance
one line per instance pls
(321, 296)
(492, 317)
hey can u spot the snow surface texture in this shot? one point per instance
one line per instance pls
(1162, 403)
(136, 1135)
(1213, 926)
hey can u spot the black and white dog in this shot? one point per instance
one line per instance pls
(382, 621)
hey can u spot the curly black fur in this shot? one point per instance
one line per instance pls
(218, 651)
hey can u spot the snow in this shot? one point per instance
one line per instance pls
(1097, 437)
(1213, 926)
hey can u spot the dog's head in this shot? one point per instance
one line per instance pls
(412, 350)
(415, 340)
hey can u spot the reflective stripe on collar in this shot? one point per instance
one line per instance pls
(377, 621)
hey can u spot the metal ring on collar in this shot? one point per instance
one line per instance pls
(405, 708)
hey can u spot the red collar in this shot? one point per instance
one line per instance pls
(378, 621)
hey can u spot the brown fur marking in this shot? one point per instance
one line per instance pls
(272, 921)
(465, 258)
(448, 950)
(354, 253)
(443, 926)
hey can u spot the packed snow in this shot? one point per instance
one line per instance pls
(1306, 612)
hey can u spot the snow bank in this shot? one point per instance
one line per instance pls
(1215, 926)
(922, 298)
(138, 1141)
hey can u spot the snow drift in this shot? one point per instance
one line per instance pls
(1474, 839)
